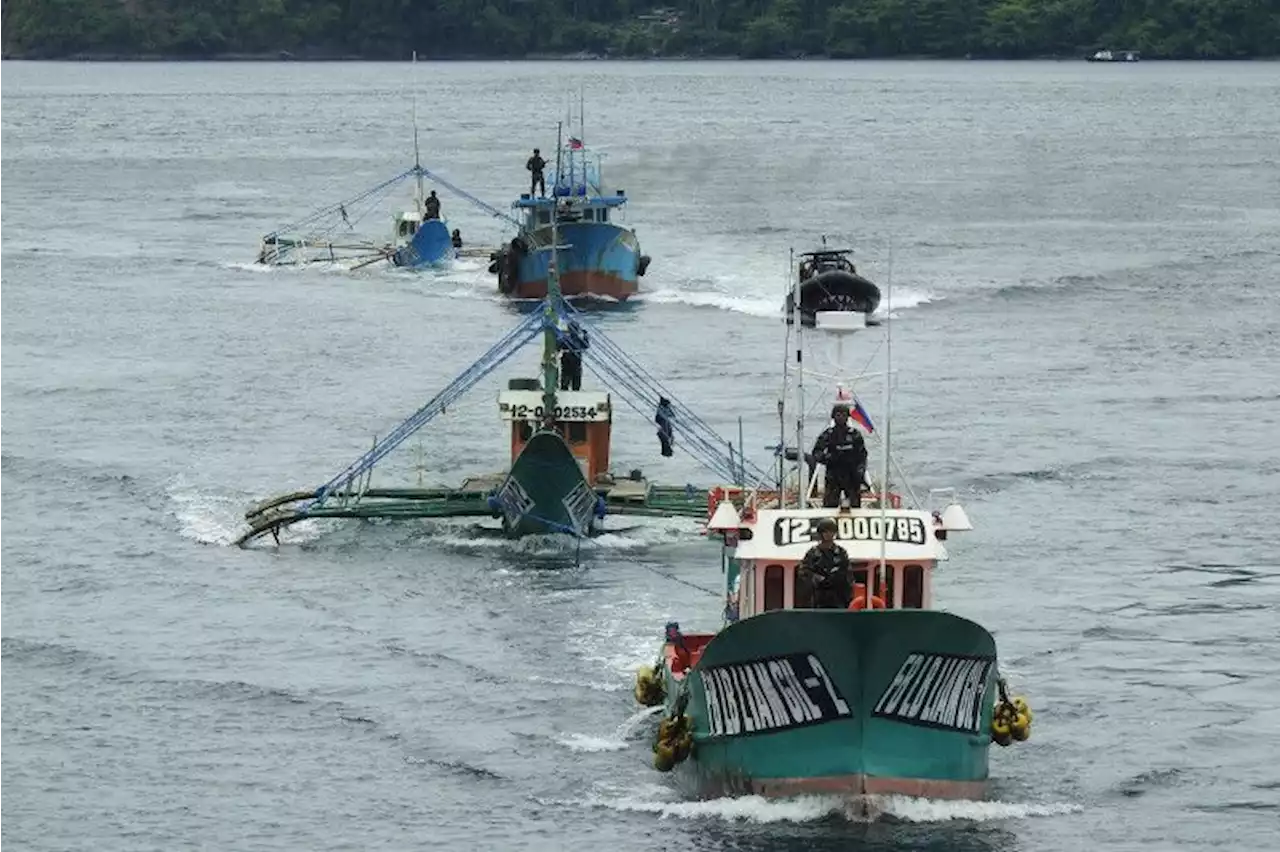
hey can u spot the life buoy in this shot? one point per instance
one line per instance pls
(859, 602)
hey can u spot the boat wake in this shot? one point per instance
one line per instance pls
(617, 741)
(217, 518)
(770, 307)
(638, 534)
(661, 802)
(468, 279)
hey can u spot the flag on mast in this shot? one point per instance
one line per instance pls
(856, 411)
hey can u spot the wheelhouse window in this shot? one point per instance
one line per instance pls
(524, 430)
(802, 596)
(886, 593)
(544, 217)
(857, 574)
(913, 587)
(577, 432)
(774, 588)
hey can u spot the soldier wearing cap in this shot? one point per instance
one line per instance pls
(822, 579)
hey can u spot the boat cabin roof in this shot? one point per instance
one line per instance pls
(583, 406)
(524, 202)
(827, 254)
(785, 535)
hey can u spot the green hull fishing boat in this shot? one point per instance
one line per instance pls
(546, 491)
(876, 693)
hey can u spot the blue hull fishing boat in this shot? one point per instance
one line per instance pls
(420, 238)
(328, 235)
(598, 258)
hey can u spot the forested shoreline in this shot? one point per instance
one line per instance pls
(533, 29)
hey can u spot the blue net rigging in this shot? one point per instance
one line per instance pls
(514, 340)
(640, 390)
(340, 210)
(330, 218)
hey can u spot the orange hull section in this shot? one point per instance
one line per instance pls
(580, 283)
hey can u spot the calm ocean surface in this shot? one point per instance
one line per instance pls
(1085, 277)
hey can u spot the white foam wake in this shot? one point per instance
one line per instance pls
(210, 517)
(617, 741)
(767, 306)
(758, 809)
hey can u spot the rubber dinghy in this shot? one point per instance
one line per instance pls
(829, 282)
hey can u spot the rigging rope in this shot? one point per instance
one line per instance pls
(512, 342)
(335, 209)
(613, 365)
(488, 208)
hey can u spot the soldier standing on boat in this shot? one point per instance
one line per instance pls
(572, 344)
(822, 579)
(457, 238)
(535, 165)
(840, 447)
(433, 206)
(663, 417)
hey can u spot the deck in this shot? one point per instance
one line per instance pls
(470, 499)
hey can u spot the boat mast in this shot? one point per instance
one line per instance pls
(786, 387)
(802, 469)
(550, 371)
(888, 380)
(417, 160)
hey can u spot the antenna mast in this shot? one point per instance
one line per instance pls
(802, 469)
(888, 420)
(782, 398)
(417, 160)
(550, 372)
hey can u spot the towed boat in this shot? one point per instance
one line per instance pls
(884, 694)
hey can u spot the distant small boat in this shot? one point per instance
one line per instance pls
(1114, 56)
(829, 282)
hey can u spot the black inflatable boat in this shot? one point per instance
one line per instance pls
(829, 282)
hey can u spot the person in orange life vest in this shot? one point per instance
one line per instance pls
(861, 601)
